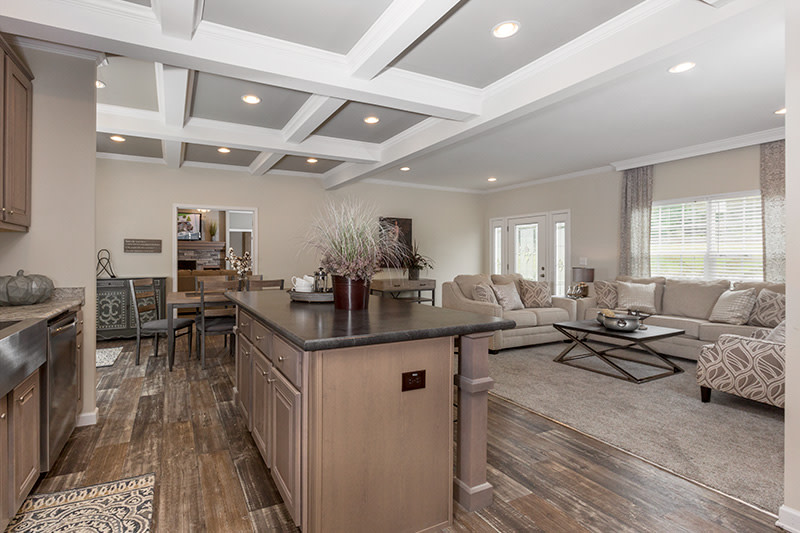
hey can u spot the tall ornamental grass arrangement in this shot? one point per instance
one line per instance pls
(353, 242)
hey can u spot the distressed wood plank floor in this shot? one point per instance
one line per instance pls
(183, 426)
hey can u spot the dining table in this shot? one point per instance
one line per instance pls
(186, 300)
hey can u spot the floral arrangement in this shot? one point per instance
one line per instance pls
(415, 260)
(353, 241)
(241, 265)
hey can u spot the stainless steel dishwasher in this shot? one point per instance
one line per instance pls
(59, 387)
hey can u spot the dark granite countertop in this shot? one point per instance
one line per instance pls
(318, 326)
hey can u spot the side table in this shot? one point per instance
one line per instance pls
(395, 288)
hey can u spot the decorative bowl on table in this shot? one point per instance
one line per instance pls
(618, 322)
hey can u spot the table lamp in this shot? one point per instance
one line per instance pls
(580, 277)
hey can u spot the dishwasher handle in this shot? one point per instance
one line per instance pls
(60, 327)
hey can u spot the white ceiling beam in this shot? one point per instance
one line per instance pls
(263, 162)
(131, 30)
(316, 110)
(178, 18)
(402, 23)
(174, 89)
(149, 124)
(174, 152)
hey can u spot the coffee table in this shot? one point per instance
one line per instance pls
(580, 330)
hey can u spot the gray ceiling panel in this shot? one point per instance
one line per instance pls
(129, 83)
(208, 154)
(137, 146)
(299, 164)
(348, 123)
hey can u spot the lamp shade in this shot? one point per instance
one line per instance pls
(583, 274)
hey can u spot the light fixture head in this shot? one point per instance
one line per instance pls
(405, 169)
(223, 150)
(311, 160)
(250, 99)
(682, 67)
(505, 29)
(781, 111)
(117, 138)
(98, 84)
(492, 179)
(372, 120)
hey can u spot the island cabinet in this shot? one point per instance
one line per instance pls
(5, 480)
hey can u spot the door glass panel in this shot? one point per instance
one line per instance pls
(561, 258)
(526, 250)
(497, 259)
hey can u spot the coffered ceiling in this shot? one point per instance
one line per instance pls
(583, 85)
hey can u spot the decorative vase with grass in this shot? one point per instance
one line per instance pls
(212, 230)
(353, 243)
(414, 262)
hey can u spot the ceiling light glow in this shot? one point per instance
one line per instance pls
(223, 150)
(372, 120)
(682, 67)
(117, 138)
(99, 84)
(505, 29)
(251, 99)
(492, 178)
(781, 111)
(405, 169)
(311, 160)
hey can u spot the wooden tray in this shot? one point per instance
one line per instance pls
(311, 297)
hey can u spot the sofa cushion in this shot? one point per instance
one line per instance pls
(636, 296)
(734, 307)
(770, 309)
(758, 285)
(692, 298)
(778, 334)
(690, 325)
(466, 282)
(482, 292)
(606, 293)
(505, 279)
(507, 296)
(536, 293)
(524, 318)
(658, 280)
(710, 331)
(550, 315)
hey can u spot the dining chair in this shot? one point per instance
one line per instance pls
(198, 280)
(260, 285)
(215, 319)
(148, 322)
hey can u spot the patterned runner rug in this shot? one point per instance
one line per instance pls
(107, 356)
(120, 506)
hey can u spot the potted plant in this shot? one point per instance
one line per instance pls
(241, 264)
(212, 229)
(353, 243)
(414, 261)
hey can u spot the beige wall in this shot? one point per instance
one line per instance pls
(135, 200)
(60, 243)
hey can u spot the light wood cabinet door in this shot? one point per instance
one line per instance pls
(285, 433)
(5, 480)
(244, 365)
(25, 439)
(261, 404)
(16, 204)
(79, 360)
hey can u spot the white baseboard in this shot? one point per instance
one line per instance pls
(788, 519)
(87, 419)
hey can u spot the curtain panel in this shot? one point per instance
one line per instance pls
(637, 200)
(773, 194)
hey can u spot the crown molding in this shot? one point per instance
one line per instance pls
(45, 46)
(561, 177)
(295, 173)
(419, 186)
(130, 158)
(722, 145)
(216, 166)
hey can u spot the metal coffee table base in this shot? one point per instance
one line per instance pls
(604, 355)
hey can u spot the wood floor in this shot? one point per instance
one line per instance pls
(183, 426)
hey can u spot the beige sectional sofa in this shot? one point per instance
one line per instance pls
(534, 324)
(687, 305)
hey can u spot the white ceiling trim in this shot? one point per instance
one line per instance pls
(402, 23)
(173, 87)
(133, 158)
(178, 18)
(263, 162)
(295, 173)
(174, 152)
(142, 123)
(314, 111)
(214, 166)
(731, 143)
(562, 177)
(420, 186)
(35, 44)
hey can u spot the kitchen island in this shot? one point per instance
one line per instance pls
(353, 411)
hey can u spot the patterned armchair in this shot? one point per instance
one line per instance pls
(748, 367)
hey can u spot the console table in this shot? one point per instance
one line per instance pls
(115, 318)
(395, 288)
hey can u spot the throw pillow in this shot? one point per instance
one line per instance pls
(778, 334)
(508, 297)
(636, 296)
(770, 309)
(606, 292)
(482, 292)
(734, 307)
(536, 293)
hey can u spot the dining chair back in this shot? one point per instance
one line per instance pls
(215, 319)
(199, 279)
(260, 285)
(148, 320)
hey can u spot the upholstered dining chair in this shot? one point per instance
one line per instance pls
(265, 284)
(215, 319)
(148, 322)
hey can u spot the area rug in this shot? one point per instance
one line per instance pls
(106, 356)
(731, 444)
(120, 506)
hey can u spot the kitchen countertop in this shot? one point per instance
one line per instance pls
(63, 298)
(318, 326)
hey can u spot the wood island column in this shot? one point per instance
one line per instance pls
(470, 488)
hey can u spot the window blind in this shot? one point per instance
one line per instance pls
(708, 238)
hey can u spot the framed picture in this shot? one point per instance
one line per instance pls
(404, 228)
(189, 228)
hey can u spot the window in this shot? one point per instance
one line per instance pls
(716, 237)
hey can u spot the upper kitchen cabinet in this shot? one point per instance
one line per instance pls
(15, 142)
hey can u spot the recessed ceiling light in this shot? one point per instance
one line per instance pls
(223, 150)
(372, 120)
(682, 67)
(781, 111)
(99, 84)
(250, 99)
(117, 138)
(405, 169)
(492, 178)
(505, 29)
(311, 160)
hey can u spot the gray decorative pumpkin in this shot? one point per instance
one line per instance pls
(25, 289)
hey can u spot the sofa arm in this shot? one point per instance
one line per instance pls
(582, 304)
(568, 304)
(453, 298)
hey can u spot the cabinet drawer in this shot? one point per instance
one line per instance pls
(245, 324)
(428, 284)
(262, 338)
(287, 359)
